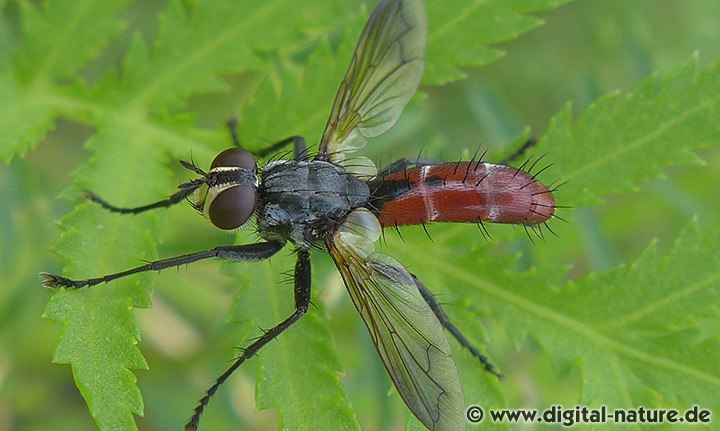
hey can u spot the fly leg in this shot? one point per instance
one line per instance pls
(445, 321)
(242, 253)
(531, 142)
(404, 163)
(299, 149)
(302, 301)
(172, 200)
(186, 189)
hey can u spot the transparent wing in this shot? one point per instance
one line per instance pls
(406, 333)
(383, 75)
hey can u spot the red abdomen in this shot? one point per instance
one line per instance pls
(461, 192)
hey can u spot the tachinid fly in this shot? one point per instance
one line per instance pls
(329, 201)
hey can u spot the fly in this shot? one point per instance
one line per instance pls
(342, 205)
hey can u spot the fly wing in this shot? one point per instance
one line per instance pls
(383, 75)
(406, 333)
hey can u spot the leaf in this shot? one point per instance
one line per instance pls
(620, 141)
(139, 120)
(77, 30)
(637, 332)
(99, 329)
(460, 32)
(193, 50)
(298, 373)
(194, 46)
(301, 97)
(638, 327)
(129, 110)
(458, 35)
(37, 116)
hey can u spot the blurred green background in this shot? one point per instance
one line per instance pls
(585, 49)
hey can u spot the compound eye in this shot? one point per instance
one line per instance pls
(232, 207)
(234, 158)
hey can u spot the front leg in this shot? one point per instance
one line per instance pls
(242, 253)
(404, 163)
(299, 149)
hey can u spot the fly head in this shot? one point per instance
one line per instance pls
(228, 193)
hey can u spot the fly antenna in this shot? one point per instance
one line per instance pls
(192, 166)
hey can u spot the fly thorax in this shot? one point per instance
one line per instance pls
(301, 201)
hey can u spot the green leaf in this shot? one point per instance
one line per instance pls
(193, 50)
(101, 368)
(99, 329)
(57, 42)
(460, 31)
(37, 119)
(300, 96)
(77, 31)
(620, 141)
(298, 372)
(137, 116)
(128, 164)
(636, 332)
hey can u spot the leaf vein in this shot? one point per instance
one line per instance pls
(589, 333)
(662, 302)
(618, 152)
